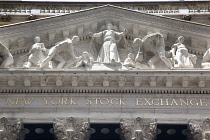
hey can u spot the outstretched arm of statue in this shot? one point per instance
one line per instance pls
(121, 33)
(97, 34)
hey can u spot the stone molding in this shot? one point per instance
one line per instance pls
(142, 81)
(107, 10)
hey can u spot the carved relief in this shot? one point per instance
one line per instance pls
(63, 46)
(154, 43)
(108, 40)
(71, 129)
(206, 60)
(37, 54)
(181, 58)
(139, 129)
(6, 58)
(85, 60)
(107, 45)
(10, 130)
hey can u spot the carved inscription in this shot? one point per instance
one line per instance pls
(171, 102)
(66, 101)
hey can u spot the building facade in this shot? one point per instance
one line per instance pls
(105, 73)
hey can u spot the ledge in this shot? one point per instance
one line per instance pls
(194, 81)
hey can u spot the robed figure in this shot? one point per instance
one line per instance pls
(104, 45)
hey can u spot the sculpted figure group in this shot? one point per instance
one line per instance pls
(104, 47)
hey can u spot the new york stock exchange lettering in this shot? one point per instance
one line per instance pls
(109, 101)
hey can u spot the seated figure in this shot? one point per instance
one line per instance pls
(129, 62)
(6, 58)
(37, 53)
(180, 56)
(84, 60)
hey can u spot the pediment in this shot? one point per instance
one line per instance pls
(19, 37)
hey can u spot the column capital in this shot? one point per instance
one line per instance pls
(138, 129)
(11, 129)
(71, 128)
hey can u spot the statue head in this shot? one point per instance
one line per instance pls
(85, 54)
(75, 39)
(3, 120)
(109, 26)
(37, 39)
(181, 39)
(70, 120)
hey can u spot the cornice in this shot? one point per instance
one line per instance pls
(106, 11)
(195, 81)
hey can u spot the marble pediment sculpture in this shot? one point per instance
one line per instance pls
(96, 39)
(6, 58)
(180, 56)
(108, 45)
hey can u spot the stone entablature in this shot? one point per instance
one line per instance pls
(158, 81)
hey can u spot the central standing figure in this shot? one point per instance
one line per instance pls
(108, 53)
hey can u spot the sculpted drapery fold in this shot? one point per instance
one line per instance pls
(105, 45)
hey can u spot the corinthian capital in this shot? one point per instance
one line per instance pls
(139, 129)
(71, 129)
(10, 129)
(200, 130)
